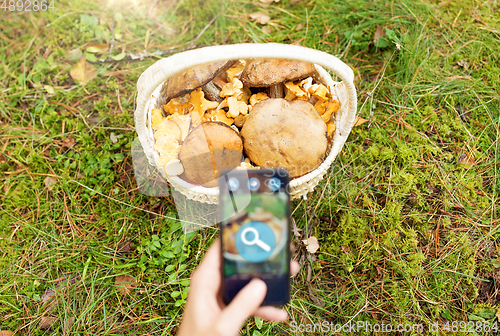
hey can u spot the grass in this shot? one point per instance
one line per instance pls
(407, 218)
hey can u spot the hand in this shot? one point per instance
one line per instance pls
(206, 314)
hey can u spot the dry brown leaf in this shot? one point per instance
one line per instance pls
(46, 322)
(68, 142)
(359, 121)
(312, 244)
(466, 160)
(49, 182)
(260, 17)
(267, 2)
(125, 283)
(498, 314)
(6, 333)
(126, 246)
(82, 72)
(379, 32)
(267, 29)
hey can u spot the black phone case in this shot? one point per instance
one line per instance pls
(286, 281)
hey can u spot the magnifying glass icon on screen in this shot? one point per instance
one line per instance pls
(255, 240)
(274, 184)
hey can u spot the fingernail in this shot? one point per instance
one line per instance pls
(258, 286)
(284, 316)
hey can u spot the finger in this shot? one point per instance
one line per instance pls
(207, 276)
(272, 314)
(294, 267)
(244, 304)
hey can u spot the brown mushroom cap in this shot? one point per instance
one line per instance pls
(286, 134)
(208, 150)
(266, 72)
(192, 78)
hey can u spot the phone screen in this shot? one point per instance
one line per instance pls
(254, 215)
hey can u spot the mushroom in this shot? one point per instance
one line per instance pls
(239, 121)
(184, 122)
(254, 99)
(286, 134)
(236, 107)
(167, 142)
(273, 73)
(200, 104)
(208, 150)
(331, 127)
(195, 77)
(294, 91)
(235, 70)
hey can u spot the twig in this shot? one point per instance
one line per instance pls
(141, 56)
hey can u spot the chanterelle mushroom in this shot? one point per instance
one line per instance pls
(193, 78)
(208, 150)
(273, 73)
(287, 134)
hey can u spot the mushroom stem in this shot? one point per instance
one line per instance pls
(277, 91)
(212, 92)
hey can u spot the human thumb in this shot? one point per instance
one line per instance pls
(244, 304)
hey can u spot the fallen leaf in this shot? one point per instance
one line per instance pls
(267, 2)
(49, 89)
(125, 283)
(267, 29)
(119, 57)
(97, 48)
(498, 314)
(359, 121)
(126, 246)
(6, 333)
(379, 32)
(68, 142)
(94, 120)
(82, 72)
(312, 244)
(49, 182)
(46, 322)
(74, 55)
(48, 299)
(260, 17)
(69, 323)
(466, 160)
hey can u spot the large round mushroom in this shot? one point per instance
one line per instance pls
(210, 149)
(274, 72)
(195, 77)
(287, 134)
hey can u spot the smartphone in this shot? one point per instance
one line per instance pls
(254, 216)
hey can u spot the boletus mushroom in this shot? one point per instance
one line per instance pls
(195, 77)
(208, 150)
(287, 134)
(273, 73)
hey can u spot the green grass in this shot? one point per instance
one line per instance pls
(407, 218)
